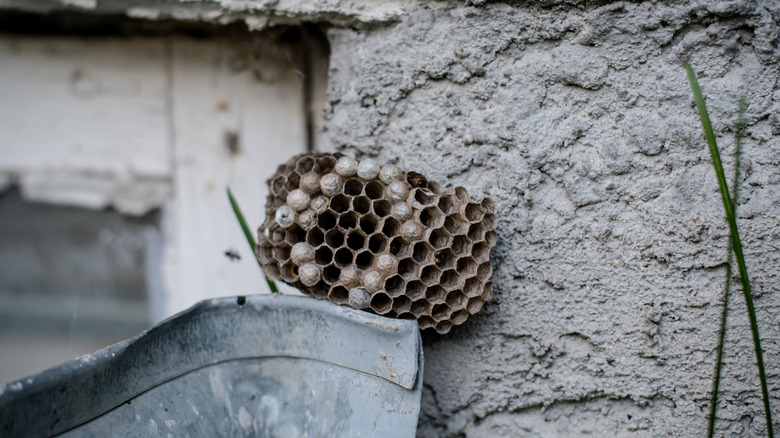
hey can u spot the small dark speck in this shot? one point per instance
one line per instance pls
(252, 397)
(233, 255)
(629, 416)
(232, 143)
(241, 300)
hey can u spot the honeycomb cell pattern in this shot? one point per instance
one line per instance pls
(378, 239)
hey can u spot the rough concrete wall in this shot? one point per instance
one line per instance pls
(257, 15)
(578, 120)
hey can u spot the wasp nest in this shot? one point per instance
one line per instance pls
(379, 239)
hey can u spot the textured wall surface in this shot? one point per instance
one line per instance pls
(579, 121)
(257, 14)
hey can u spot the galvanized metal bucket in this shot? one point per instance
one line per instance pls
(270, 366)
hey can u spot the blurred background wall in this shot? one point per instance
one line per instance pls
(118, 139)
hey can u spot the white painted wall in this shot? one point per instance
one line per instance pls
(85, 122)
(141, 123)
(200, 225)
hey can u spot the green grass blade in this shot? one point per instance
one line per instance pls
(736, 244)
(719, 360)
(739, 134)
(249, 238)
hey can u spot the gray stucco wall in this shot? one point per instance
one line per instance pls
(576, 117)
(578, 120)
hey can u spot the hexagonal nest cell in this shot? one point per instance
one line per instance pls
(378, 238)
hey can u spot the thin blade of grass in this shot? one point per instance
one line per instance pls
(719, 360)
(739, 133)
(249, 238)
(736, 244)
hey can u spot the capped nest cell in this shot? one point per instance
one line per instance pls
(378, 239)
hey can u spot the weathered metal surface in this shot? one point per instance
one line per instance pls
(256, 366)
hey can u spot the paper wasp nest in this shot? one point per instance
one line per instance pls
(379, 239)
